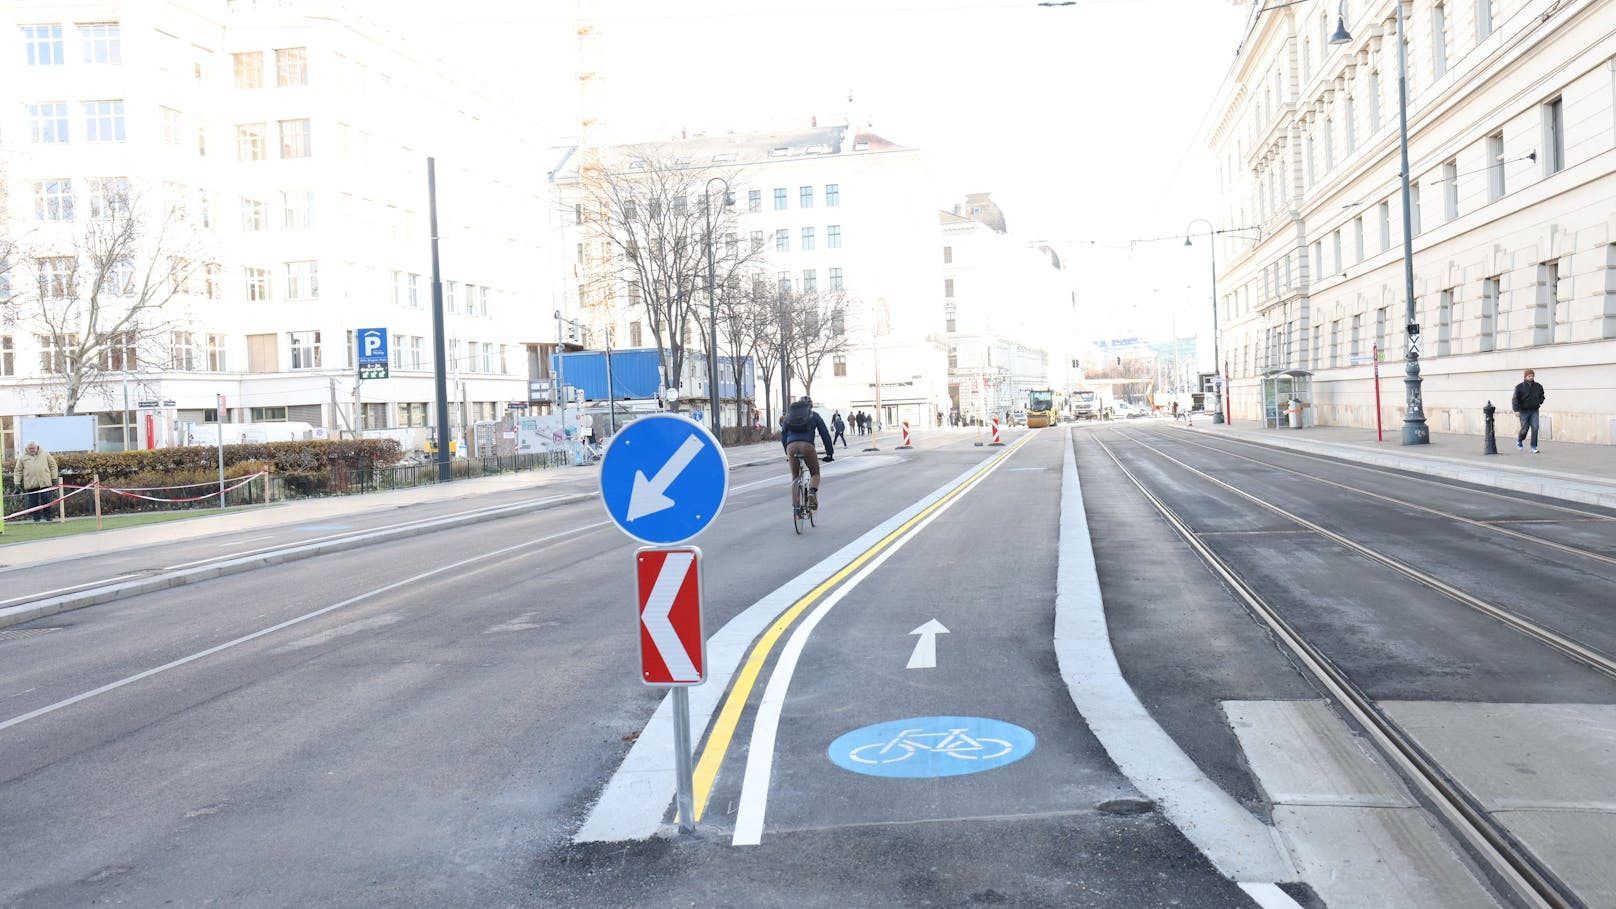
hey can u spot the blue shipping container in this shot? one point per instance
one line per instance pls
(636, 374)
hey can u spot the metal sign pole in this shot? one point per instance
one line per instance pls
(683, 770)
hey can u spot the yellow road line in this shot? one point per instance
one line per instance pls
(729, 717)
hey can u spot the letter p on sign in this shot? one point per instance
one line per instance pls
(672, 650)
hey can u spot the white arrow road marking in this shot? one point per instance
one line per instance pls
(655, 616)
(647, 496)
(925, 655)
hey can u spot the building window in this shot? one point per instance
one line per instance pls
(294, 138)
(1414, 209)
(490, 360)
(783, 282)
(949, 312)
(836, 279)
(216, 353)
(1553, 137)
(833, 195)
(302, 280)
(53, 200)
(1489, 314)
(1495, 166)
(267, 414)
(8, 356)
(182, 351)
(291, 67)
(1329, 144)
(780, 198)
(482, 301)
(257, 284)
(810, 281)
(297, 208)
(44, 44)
(833, 237)
(56, 352)
(254, 215)
(805, 197)
(1374, 100)
(1357, 248)
(1351, 111)
(948, 255)
(1385, 220)
(754, 200)
(838, 364)
(807, 238)
(305, 349)
(948, 288)
(451, 297)
(101, 43)
(213, 281)
(757, 241)
(412, 414)
(782, 240)
(1439, 40)
(251, 142)
(48, 122)
(1444, 323)
(1335, 248)
(173, 128)
(249, 70)
(1380, 329)
(1450, 189)
(103, 121)
(1484, 19)
(1356, 339)
(413, 299)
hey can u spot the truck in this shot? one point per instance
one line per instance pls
(1088, 404)
(1040, 408)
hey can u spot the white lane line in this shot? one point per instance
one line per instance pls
(760, 753)
(1242, 847)
(113, 686)
(635, 799)
(61, 590)
(267, 536)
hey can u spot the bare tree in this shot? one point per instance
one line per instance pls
(746, 312)
(100, 301)
(655, 215)
(819, 330)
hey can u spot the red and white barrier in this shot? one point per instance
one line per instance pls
(906, 443)
(996, 439)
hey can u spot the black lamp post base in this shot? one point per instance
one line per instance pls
(1415, 432)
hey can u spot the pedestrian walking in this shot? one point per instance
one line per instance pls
(836, 427)
(36, 475)
(1527, 399)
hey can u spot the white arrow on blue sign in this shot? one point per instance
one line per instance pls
(663, 479)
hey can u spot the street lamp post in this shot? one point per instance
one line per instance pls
(712, 310)
(1217, 360)
(1415, 430)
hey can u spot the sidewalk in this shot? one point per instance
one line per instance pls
(1561, 470)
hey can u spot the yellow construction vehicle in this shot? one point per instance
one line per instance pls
(1040, 408)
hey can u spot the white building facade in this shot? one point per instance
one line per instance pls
(1008, 311)
(290, 139)
(1512, 149)
(831, 210)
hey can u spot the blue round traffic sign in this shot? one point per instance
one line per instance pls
(931, 746)
(663, 479)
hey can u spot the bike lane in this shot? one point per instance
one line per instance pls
(964, 740)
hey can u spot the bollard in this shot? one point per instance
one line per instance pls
(95, 485)
(1492, 440)
(906, 436)
(996, 439)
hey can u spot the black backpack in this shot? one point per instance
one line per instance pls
(800, 418)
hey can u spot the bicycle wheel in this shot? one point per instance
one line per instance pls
(796, 518)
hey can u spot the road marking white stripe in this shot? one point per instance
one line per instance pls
(1242, 847)
(632, 805)
(175, 664)
(655, 617)
(765, 726)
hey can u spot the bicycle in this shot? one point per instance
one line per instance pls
(954, 743)
(801, 488)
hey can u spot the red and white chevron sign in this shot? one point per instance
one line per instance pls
(672, 649)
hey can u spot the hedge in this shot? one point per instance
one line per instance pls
(118, 468)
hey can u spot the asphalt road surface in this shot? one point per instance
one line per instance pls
(455, 717)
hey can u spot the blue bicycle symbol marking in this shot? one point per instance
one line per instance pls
(936, 746)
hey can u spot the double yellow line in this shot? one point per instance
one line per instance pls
(729, 716)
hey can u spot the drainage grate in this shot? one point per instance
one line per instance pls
(16, 633)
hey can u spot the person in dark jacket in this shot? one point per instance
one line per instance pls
(797, 430)
(1526, 401)
(837, 426)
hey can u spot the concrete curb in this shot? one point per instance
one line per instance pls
(27, 612)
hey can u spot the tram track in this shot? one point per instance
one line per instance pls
(1487, 839)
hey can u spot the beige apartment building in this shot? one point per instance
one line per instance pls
(1511, 110)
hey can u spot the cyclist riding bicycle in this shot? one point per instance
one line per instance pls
(797, 430)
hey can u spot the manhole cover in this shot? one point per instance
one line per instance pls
(16, 633)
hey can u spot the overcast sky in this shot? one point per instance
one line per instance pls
(1086, 122)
